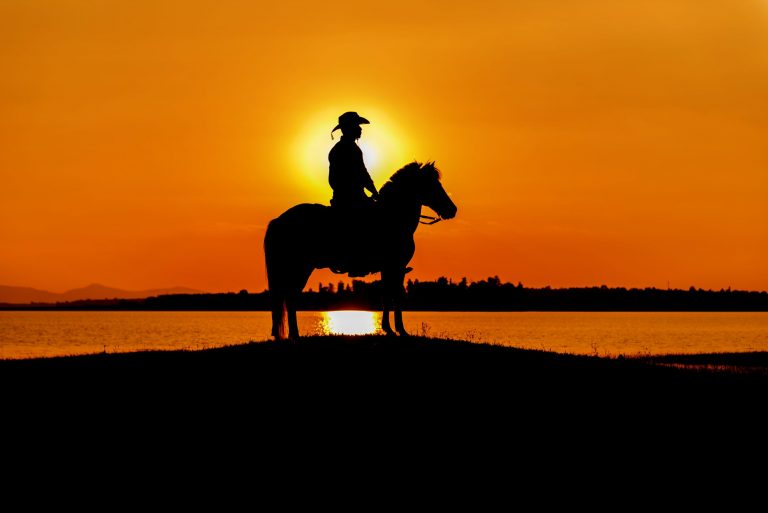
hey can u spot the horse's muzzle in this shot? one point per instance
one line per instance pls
(450, 213)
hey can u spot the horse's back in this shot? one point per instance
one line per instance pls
(302, 217)
(303, 211)
(299, 226)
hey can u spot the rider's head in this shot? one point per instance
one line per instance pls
(349, 124)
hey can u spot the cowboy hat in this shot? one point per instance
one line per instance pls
(350, 119)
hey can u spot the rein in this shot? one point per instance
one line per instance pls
(432, 219)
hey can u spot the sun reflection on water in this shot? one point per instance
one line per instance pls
(350, 322)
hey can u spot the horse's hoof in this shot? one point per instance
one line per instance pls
(404, 333)
(390, 333)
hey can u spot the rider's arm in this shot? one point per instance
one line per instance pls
(367, 180)
(370, 186)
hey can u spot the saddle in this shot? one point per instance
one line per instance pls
(356, 240)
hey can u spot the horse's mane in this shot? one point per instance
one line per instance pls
(414, 170)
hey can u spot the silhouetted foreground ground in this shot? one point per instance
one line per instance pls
(372, 420)
(415, 372)
(378, 403)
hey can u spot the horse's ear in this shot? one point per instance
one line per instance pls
(432, 169)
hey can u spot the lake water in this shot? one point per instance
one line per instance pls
(32, 334)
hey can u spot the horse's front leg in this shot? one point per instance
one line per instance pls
(398, 297)
(392, 284)
(385, 326)
(399, 321)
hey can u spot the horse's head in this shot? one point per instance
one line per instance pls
(423, 180)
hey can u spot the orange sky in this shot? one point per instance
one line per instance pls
(146, 144)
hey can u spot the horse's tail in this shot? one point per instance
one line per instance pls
(275, 279)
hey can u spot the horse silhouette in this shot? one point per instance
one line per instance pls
(378, 239)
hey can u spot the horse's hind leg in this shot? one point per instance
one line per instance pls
(293, 325)
(291, 302)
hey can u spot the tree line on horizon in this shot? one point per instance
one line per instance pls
(445, 294)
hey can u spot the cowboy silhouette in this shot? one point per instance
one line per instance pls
(349, 180)
(347, 174)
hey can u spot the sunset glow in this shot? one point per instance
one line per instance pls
(147, 144)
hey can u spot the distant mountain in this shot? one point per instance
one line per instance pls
(26, 295)
(21, 295)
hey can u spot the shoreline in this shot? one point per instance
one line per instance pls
(700, 359)
(614, 334)
(749, 359)
(376, 345)
(44, 307)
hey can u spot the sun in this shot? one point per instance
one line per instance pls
(385, 148)
(371, 155)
